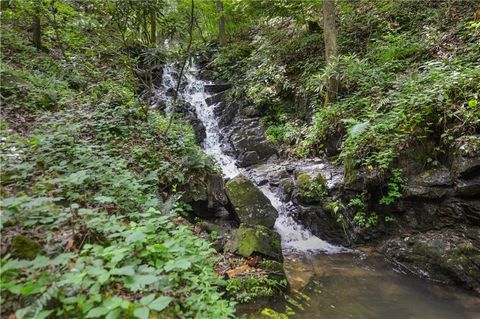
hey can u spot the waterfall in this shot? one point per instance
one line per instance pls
(294, 236)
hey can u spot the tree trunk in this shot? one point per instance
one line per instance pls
(37, 32)
(153, 28)
(330, 38)
(37, 27)
(222, 36)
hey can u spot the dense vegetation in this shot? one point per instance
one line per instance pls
(92, 222)
(408, 73)
(89, 179)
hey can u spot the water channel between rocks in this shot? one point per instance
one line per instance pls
(326, 281)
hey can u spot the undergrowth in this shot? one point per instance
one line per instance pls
(90, 183)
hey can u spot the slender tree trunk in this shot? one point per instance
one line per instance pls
(222, 36)
(153, 28)
(37, 32)
(330, 38)
(37, 28)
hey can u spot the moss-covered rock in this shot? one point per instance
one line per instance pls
(268, 313)
(24, 247)
(310, 188)
(446, 256)
(259, 239)
(251, 206)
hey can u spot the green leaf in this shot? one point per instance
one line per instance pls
(135, 236)
(115, 313)
(124, 271)
(15, 264)
(180, 264)
(147, 299)
(104, 199)
(97, 312)
(160, 303)
(472, 103)
(41, 261)
(43, 314)
(140, 281)
(141, 313)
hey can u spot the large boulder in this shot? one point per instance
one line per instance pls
(247, 240)
(251, 206)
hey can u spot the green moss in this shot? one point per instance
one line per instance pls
(255, 239)
(273, 268)
(270, 313)
(311, 189)
(24, 248)
(258, 239)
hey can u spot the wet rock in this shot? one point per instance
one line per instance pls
(198, 128)
(286, 187)
(251, 206)
(249, 144)
(248, 158)
(217, 88)
(24, 247)
(447, 256)
(268, 313)
(321, 223)
(216, 98)
(274, 177)
(226, 113)
(248, 240)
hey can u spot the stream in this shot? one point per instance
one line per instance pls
(326, 281)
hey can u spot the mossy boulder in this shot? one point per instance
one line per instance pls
(251, 206)
(445, 255)
(309, 187)
(248, 240)
(24, 247)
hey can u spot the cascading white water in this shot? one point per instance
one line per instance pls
(294, 236)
